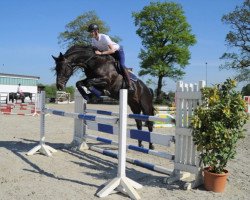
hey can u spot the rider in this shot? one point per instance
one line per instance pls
(106, 46)
(19, 90)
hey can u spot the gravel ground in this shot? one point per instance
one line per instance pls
(72, 174)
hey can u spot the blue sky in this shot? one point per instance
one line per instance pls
(29, 31)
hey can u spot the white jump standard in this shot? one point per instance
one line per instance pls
(121, 182)
(42, 147)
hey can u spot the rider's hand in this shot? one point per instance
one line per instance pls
(98, 52)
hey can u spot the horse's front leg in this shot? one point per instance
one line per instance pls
(97, 82)
(97, 85)
(79, 85)
(94, 85)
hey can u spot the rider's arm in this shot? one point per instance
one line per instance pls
(110, 44)
(110, 51)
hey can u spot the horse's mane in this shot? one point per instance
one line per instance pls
(78, 49)
(81, 49)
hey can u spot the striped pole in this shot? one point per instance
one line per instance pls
(132, 147)
(149, 166)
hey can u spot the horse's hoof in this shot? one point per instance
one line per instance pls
(151, 146)
(140, 144)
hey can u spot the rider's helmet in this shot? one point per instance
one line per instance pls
(93, 27)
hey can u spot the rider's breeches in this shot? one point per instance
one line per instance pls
(120, 56)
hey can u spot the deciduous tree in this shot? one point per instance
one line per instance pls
(166, 38)
(77, 30)
(238, 41)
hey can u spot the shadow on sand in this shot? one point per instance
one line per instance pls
(107, 167)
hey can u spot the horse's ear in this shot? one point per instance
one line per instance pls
(61, 57)
(55, 58)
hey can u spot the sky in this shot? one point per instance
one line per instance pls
(29, 31)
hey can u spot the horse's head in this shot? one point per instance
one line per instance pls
(63, 69)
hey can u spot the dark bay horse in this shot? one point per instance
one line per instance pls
(15, 96)
(102, 75)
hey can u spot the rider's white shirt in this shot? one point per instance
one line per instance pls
(19, 90)
(103, 42)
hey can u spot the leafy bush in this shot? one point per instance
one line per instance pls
(218, 124)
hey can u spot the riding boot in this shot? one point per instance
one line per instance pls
(128, 82)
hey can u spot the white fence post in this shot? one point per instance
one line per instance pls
(121, 182)
(78, 141)
(186, 157)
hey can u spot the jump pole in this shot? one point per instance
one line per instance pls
(42, 147)
(121, 182)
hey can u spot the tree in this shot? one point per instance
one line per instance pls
(77, 30)
(238, 40)
(246, 90)
(71, 91)
(50, 90)
(166, 37)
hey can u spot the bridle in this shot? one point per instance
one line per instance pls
(85, 63)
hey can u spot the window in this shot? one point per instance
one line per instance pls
(16, 81)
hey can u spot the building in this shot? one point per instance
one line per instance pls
(9, 83)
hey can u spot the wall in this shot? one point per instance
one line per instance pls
(13, 88)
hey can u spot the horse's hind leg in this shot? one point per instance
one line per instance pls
(150, 129)
(139, 127)
(148, 109)
(135, 108)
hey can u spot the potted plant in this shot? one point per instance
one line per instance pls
(217, 125)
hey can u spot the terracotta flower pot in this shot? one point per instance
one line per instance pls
(215, 182)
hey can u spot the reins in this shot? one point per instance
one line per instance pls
(86, 61)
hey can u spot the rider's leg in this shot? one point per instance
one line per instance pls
(121, 57)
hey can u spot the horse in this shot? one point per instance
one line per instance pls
(103, 77)
(15, 96)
